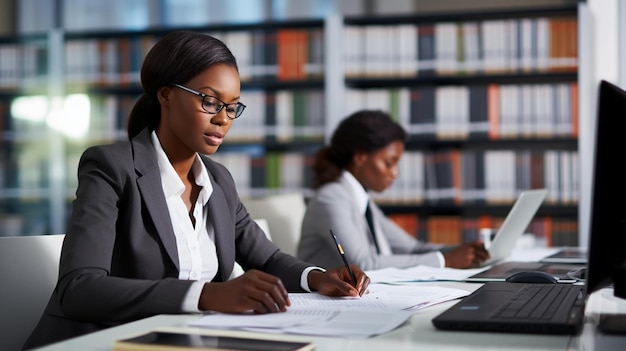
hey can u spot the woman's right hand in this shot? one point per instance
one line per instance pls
(252, 291)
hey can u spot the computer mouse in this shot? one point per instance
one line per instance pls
(532, 277)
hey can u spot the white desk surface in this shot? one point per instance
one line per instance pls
(419, 333)
(590, 339)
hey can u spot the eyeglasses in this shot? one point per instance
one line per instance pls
(213, 105)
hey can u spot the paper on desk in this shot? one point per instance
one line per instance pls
(382, 309)
(352, 322)
(415, 297)
(382, 296)
(420, 273)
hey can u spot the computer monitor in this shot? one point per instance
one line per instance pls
(606, 261)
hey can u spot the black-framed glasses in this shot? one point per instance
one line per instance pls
(213, 105)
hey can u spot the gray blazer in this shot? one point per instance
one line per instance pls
(119, 260)
(334, 207)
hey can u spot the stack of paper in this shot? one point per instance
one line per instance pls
(382, 309)
(421, 273)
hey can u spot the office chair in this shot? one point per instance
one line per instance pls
(29, 269)
(284, 214)
(261, 222)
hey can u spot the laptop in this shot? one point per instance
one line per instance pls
(500, 307)
(563, 272)
(513, 226)
(567, 255)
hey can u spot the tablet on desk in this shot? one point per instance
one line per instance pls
(173, 341)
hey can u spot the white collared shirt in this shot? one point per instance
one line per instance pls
(197, 255)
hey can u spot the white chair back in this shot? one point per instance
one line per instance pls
(284, 214)
(261, 222)
(29, 269)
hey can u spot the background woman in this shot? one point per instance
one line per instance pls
(363, 156)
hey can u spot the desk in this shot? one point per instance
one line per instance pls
(418, 333)
(590, 339)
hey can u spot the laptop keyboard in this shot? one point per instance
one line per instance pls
(534, 301)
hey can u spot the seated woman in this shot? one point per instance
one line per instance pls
(363, 156)
(157, 225)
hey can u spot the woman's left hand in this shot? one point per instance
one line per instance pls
(338, 282)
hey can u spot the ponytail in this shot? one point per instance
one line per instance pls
(325, 168)
(145, 113)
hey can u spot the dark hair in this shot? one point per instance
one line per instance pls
(363, 131)
(175, 59)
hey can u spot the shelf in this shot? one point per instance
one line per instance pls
(463, 79)
(490, 100)
(272, 139)
(475, 209)
(231, 27)
(470, 15)
(535, 143)
(258, 84)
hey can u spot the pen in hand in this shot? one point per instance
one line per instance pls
(343, 257)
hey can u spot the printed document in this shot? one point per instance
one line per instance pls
(382, 309)
(420, 273)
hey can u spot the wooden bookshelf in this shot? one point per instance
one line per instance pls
(490, 99)
(291, 81)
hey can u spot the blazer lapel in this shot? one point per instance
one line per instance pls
(221, 220)
(356, 210)
(149, 184)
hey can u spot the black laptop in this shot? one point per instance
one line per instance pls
(502, 307)
(563, 272)
(567, 255)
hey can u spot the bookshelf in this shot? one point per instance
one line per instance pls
(302, 77)
(490, 99)
(23, 79)
(282, 70)
(281, 65)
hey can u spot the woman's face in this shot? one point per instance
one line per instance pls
(377, 170)
(185, 127)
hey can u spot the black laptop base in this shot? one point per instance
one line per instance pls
(483, 310)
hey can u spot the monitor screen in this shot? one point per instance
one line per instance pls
(607, 243)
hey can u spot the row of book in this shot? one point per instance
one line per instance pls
(282, 116)
(258, 175)
(457, 176)
(454, 177)
(25, 166)
(485, 111)
(284, 54)
(456, 229)
(444, 48)
(491, 111)
(23, 64)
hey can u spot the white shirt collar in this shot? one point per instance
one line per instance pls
(361, 196)
(172, 185)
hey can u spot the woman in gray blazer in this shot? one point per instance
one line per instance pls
(157, 226)
(363, 156)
